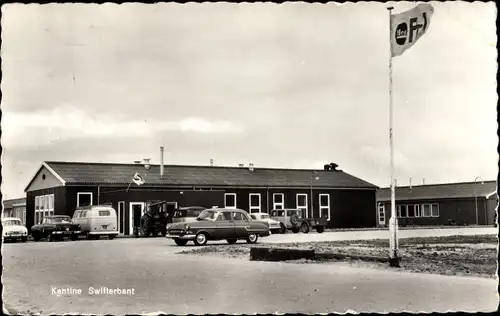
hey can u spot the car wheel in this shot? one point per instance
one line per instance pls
(295, 229)
(111, 237)
(24, 239)
(50, 237)
(282, 229)
(180, 242)
(320, 229)
(201, 239)
(232, 241)
(36, 236)
(252, 238)
(74, 237)
(304, 228)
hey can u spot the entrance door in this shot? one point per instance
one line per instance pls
(121, 218)
(136, 210)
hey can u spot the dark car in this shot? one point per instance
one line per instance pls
(218, 224)
(55, 228)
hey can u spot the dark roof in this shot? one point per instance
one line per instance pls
(177, 175)
(8, 204)
(439, 191)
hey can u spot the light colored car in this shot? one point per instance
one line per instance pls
(96, 221)
(274, 225)
(13, 230)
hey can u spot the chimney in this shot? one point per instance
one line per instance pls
(395, 183)
(250, 166)
(423, 181)
(327, 167)
(161, 162)
(241, 165)
(333, 166)
(146, 163)
(211, 162)
(137, 162)
(410, 183)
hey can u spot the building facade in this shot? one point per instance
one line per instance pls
(15, 208)
(469, 203)
(60, 187)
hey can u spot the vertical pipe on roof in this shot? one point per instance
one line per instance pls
(161, 162)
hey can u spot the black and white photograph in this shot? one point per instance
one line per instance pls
(249, 158)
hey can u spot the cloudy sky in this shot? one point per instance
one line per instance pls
(293, 85)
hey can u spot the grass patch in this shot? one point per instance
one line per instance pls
(450, 255)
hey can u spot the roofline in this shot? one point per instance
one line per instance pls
(491, 194)
(195, 166)
(45, 164)
(217, 187)
(438, 184)
(428, 198)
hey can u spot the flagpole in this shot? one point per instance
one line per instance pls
(393, 224)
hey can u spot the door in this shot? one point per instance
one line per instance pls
(241, 224)
(136, 210)
(224, 226)
(121, 218)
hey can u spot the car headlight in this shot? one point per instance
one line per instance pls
(186, 227)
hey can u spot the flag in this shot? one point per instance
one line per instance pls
(407, 27)
(137, 179)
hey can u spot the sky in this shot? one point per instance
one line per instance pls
(294, 85)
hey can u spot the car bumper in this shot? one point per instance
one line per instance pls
(185, 237)
(67, 232)
(103, 233)
(14, 238)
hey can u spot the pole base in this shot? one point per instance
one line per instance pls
(394, 262)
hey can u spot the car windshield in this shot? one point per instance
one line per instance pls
(187, 213)
(12, 222)
(208, 214)
(264, 216)
(61, 219)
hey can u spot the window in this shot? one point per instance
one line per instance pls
(239, 216)
(278, 201)
(83, 199)
(398, 211)
(404, 211)
(253, 217)
(302, 202)
(224, 216)
(381, 214)
(426, 212)
(254, 202)
(230, 200)
(411, 210)
(417, 210)
(324, 205)
(435, 210)
(104, 213)
(44, 206)
(281, 213)
(274, 213)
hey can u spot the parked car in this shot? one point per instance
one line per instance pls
(187, 214)
(295, 220)
(55, 227)
(13, 230)
(96, 221)
(218, 224)
(274, 225)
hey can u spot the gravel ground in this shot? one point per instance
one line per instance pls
(452, 255)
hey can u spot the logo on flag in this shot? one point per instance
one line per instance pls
(137, 179)
(408, 27)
